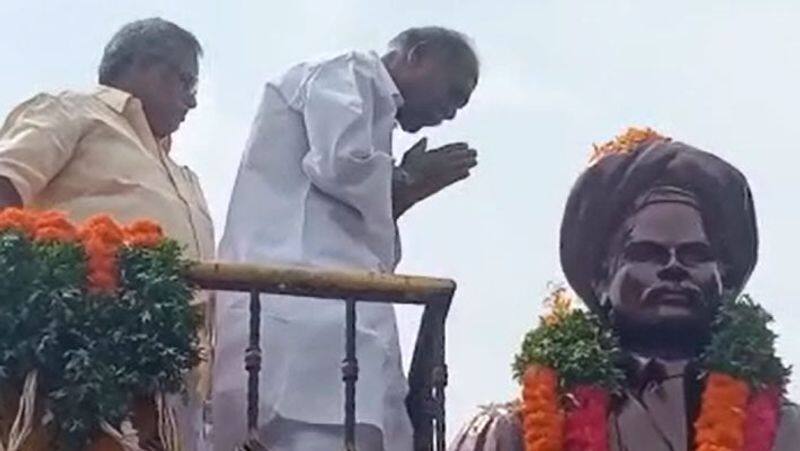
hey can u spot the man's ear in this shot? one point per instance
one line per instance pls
(145, 66)
(416, 53)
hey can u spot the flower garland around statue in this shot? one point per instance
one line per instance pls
(568, 375)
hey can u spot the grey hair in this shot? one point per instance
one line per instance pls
(153, 38)
(452, 44)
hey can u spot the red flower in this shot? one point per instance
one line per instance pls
(761, 422)
(586, 421)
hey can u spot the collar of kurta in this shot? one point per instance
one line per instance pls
(116, 99)
(123, 102)
(388, 82)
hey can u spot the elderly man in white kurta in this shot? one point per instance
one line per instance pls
(318, 186)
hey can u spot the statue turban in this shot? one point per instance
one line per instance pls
(641, 162)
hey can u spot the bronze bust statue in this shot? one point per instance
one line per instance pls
(654, 236)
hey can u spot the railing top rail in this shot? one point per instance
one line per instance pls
(322, 283)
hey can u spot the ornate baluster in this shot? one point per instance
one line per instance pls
(350, 376)
(439, 384)
(252, 364)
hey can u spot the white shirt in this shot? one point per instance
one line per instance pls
(314, 189)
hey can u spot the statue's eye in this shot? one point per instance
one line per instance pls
(646, 251)
(695, 253)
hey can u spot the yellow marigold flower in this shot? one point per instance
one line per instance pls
(560, 304)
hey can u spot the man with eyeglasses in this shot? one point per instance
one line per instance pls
(108, 152)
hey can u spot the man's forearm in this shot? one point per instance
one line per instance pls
(9, 197)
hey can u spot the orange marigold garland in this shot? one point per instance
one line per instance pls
(53, 226)
(722, 414)
(542, 417)
(17, 219)
(144, 233)
(102, 237)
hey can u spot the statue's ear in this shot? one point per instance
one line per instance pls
(601, 279)
(600, 290)
(724, 277)
(600, 286)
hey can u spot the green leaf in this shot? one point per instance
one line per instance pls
(94, 353)
(743, 346)
(577, 346)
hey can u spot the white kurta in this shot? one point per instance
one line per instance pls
(314, 189)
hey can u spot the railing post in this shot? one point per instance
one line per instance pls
(252, 360)
(439, 377)
(350, 376)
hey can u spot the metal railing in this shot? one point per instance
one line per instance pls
(427, 377)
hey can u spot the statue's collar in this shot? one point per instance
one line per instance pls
(643, 371)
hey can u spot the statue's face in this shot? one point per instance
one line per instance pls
(664, 276)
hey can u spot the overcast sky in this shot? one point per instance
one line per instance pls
(557, 76)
